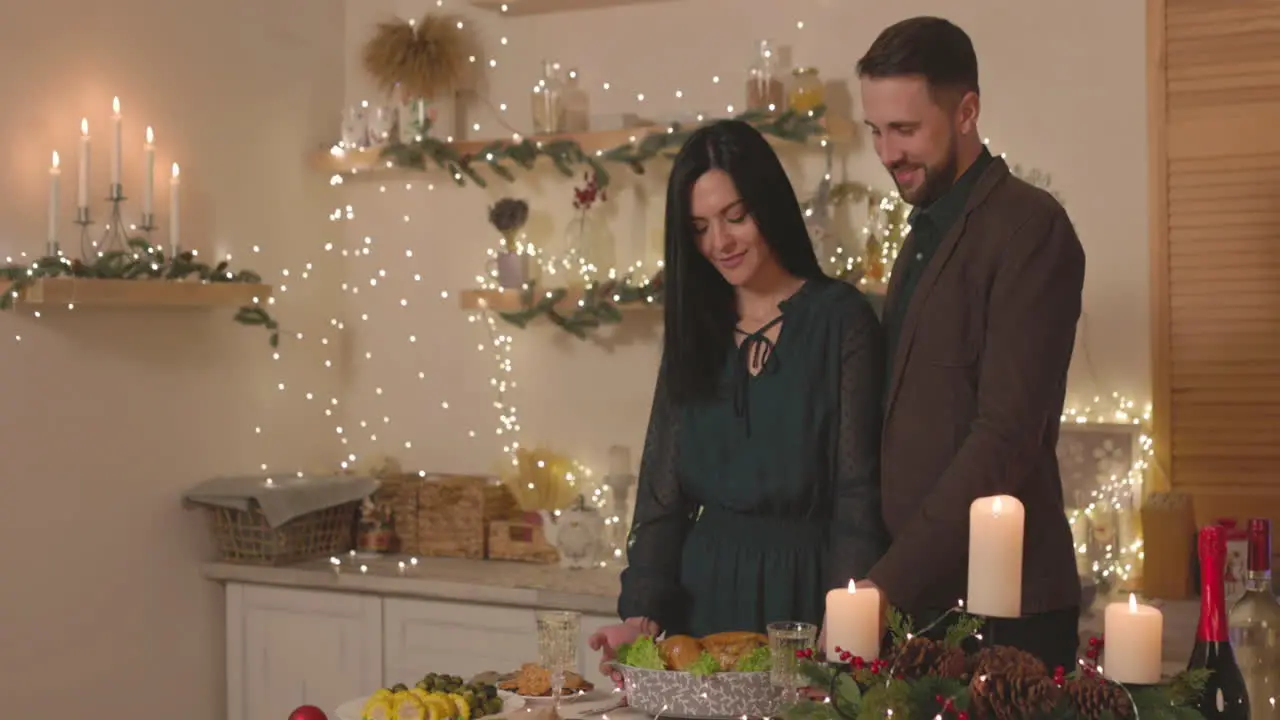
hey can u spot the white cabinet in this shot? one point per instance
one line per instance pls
(452, 638)
(424, 636)
(287, 648)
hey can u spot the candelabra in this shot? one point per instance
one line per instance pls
(115, 237)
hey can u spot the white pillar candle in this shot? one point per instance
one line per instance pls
(174, 236)
(1133, 649)
(853, 622)
(149, 164)
(115, 146)
(995, 556)
(55, 182)
(82, 188)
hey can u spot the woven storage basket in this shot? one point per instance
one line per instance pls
(244, 536)
(454, 512)
(400, 493)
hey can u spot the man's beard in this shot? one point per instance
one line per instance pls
(938, 179)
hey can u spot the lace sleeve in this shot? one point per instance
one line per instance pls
(663, 516)
(858, 534)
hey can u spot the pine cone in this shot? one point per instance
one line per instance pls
(1009, 697)
(1007, 661)
(1094, 698)
(921, 656)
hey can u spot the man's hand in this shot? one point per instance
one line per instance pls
(884, 602)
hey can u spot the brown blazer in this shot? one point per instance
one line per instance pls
(975, 399)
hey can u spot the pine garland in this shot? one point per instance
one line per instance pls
(142, 262)
(861, 690)
(601, 304)
(567, 155)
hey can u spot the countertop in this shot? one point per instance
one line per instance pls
(491, 582)
(595, 591)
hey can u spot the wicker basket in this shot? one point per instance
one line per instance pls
(245, 537)
(400, 493)
(454, 512)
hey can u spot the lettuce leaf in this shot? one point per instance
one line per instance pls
(643, 654)
(706, 664)
(758, 660)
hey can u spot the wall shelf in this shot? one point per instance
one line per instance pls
(367, 163)
(510, 301)
(541, 7)
(157, 294)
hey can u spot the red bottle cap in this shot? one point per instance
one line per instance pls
(1259, 545)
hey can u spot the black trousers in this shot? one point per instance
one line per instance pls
(1052, 636)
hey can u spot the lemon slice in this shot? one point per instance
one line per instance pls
(376, 708)
(438, 708)
(462, 708)
(408, 707)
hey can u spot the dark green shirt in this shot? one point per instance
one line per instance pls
(929, 225)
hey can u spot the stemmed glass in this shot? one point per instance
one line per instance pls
(558, 635)
(785, 640)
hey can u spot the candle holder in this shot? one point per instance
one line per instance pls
(148, 224)
(84, 221)
(113, 235)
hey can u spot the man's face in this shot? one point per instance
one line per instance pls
(915, 137)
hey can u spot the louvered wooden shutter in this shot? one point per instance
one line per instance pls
(1215, 123)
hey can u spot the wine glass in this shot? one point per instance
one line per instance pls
(785, 640)
(558, 635)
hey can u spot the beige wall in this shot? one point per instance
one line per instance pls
(1070, 102)
(108, 417)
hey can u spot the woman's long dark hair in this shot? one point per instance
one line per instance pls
(701, 309)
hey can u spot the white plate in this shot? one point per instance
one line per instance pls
(565, 698)
(351, 710)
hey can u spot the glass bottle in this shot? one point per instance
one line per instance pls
(807, 92)
(576, 104)
(1255, 626)
(1224, 696)
(765, 92)
(547, 101)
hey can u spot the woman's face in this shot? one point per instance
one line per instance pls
(726, 233)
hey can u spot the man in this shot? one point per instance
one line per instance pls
(980, 316)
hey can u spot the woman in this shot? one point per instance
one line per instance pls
(759, 486)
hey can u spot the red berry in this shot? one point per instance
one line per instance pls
(800, 653)
(938, 698)
(858, 661)
(1093, 642)
(962, 715)
(839, 651)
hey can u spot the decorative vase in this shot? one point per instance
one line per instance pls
(511, 269)
(590, 241)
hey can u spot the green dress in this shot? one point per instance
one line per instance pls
(750, 507)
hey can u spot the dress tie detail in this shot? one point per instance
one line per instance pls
(755, 350)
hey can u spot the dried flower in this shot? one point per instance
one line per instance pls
(586, 196)
(508, 215)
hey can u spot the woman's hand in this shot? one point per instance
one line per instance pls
(608, 638)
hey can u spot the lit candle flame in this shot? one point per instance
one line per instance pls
(997, 506)
(853, 586)
(55, 159)
(1133, 603)
(115, 105)
(151, 137)
(84, 126)
(175, 170)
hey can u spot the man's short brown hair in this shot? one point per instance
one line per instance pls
(930, 47)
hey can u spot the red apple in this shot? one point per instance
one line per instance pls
(308, 712)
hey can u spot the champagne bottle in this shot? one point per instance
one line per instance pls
(1225, 697)
(1255, 627)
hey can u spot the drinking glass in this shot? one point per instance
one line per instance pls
(558, 635)
(355, 128)
(785, 640)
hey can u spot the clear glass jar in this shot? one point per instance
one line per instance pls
(807, 92)
(576, 104)
(765, 91)
(547, 101)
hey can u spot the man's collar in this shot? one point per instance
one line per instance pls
(947, 208)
